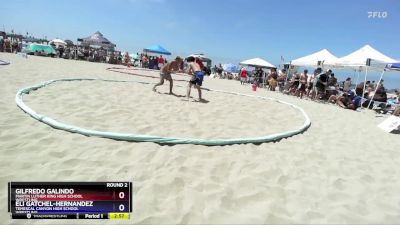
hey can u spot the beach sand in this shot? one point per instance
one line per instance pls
(343, 169)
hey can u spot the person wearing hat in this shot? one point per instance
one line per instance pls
(166, 70)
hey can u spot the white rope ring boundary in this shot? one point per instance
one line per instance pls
(157, 139)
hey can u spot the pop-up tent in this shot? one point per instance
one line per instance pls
(393, 66)
(257, 62)
(359, 57)
(316, 59)
(157, 49)
(97, 39)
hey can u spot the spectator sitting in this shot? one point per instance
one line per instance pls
(360, 88)
(380, 94)
(347, 85)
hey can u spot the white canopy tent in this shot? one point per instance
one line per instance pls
(360, 59)
(257, 62)
(316, 59)
(360, 56)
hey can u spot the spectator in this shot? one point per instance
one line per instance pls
(282, 79)
(273, 79)
(243, 76)
(322, 83)
(347, 85)
(301, 90)
(360, 88)
(160, 61)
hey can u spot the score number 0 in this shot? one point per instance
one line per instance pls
(121, 195)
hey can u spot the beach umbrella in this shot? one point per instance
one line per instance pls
(58, 42)
(157, 49)
(231, 68)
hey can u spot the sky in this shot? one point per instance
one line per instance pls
(227, 31)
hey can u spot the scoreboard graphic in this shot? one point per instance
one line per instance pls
(70, 200)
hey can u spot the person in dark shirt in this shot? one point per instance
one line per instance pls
(322, 82)
(360, 88)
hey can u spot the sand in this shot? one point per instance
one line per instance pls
(343, 169)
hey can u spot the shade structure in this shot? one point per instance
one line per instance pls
(257, 62)
(32, 48)
(360, 56)
(157, 49)
(393, 66)
(231, 68)
(315, 59)
(97, 39)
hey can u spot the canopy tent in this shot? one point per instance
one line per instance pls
(257, 62)
(157, 49)
(393, 66)
(360, 56)
(97, 39)
(360, 59)
(231, 68)
(32, 48)
(316, 59)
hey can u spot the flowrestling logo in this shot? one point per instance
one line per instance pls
(377, 14)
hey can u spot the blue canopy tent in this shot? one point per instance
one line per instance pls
(157, 49)
(393, 66)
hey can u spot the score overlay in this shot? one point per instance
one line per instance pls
(70, 200)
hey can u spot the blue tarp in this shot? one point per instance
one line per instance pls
(157, 49)
(393, 66)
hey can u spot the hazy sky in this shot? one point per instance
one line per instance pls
(228, 31)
